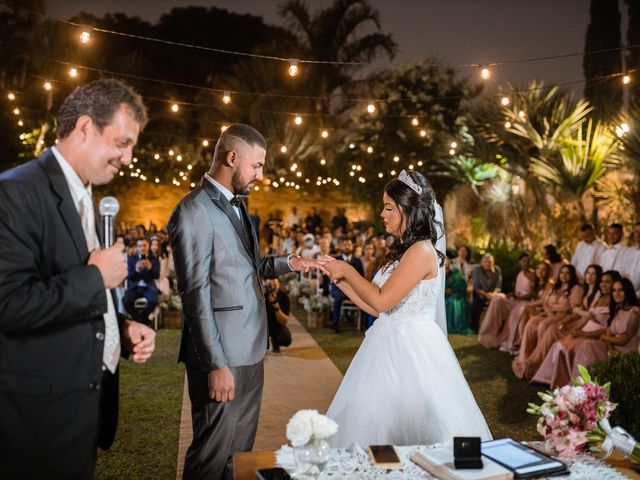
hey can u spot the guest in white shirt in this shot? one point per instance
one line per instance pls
(613, 257)
(293, 218)
(588, 250)
(632, 260)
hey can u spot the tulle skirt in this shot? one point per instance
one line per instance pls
(405, 387)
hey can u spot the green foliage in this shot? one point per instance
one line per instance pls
(623, 372)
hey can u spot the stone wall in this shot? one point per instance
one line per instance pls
(141, 202)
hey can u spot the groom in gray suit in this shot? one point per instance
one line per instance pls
(224, 330)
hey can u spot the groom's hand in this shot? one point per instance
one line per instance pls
(221, 385)
(300, 264)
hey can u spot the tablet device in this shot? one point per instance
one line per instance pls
(525, 462)
(273, 474)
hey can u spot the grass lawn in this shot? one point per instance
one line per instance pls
(146, 444)
(502, 397)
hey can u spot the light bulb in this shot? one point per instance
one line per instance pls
(226, 98)
(16, 111)
(157, 156)
(179, 158)
(507, 124)
(322, 161)
(522, 115)
(380, 175)
(414, 121)
(504, 101)
(293, 67)
(175, 107)
(371, 108)
(205, 143)
(396, 159)
(485, 73)
(11, 96)
(420, 163)
(47, 85)
(454, 144)
(452, 152)
(369, 149)
(325, 134)
(73, 72)
(298, 120)
(423, 133)
(626, 79)
(171, 152)
(20, 123)
(85, 35)
(283, 149)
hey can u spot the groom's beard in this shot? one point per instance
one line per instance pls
(239, 186)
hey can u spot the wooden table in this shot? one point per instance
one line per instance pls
(245, 465)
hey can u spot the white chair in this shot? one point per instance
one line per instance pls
(348, 308)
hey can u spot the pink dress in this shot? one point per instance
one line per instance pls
(557, 301)
(495, 329)
(516, 322)
(561, 363)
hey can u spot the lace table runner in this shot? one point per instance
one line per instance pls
(354, 464)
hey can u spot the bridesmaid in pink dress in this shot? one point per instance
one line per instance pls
(621, 336)
(580, 325)
(566, 295)
(520, 315)
(551, 255)
(494, 329)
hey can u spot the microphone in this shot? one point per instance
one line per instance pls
(109, 207)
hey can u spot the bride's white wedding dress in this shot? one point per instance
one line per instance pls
(404, 385)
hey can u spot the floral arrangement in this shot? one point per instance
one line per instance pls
(316, 303)
(307, 425)
(570, 416)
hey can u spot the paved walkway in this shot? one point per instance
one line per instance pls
(302, 376)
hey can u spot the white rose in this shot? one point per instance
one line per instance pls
(300, 427)
(323, 426)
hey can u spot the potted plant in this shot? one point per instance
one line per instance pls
(318, 307)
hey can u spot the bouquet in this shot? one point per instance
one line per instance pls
(307, 425)
(570, 416)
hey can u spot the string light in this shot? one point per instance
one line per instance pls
(380, 175)
(121, 173)
(175, 107)
(193, 185)
(205, 143)
(420, 163)
(369, 149)
(179, 158)
(157, 180)
(226, 98)
(283, 149)
(414, 121)
(171, 153)
(85, 35)
(352, 146)
(411, 167)
(298, 120)
(504, 101)
(423, 133)
(16, 111)
(396, 159)
(392, 172)
(298, 174)
(522, 115)
(189, 167)
(485, 73)
(371, 108)
(11, 96)
(157, 156)
(454, 144)
(351, 173)
(322, 161)
(294, 167)
(452, 152)
(507, 124)
(20, 123)
(361, 180)
(135, 160)
(626, 79)
(325, 134)
(293, 67)
(47, 85)
(73, 72)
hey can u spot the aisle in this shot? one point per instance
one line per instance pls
(302, 376)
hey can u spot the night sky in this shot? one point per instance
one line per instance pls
(458, 31)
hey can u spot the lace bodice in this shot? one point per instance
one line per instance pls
(420, 302)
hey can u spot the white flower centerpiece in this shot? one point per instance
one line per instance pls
(307, 431)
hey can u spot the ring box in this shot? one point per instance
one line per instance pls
(466, 453)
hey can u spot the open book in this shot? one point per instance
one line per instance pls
(439, 463)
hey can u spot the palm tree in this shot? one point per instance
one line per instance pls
(333, 34)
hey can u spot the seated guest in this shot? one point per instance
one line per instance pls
(613, 257)
(309, 249)
(278, 310)
(456, 305)
(566, 294)
(370, 265)
(583, 324)
(620, 336)
(346, 249)
(162, 283)
(588, 250)
(551, 255)
(519, 316)
(494, 326)
(144, 270)
(293, 219)
(463, 262)
(632, 261)
(487, 281)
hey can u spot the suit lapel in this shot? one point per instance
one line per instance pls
(224, 205)
(66, 207)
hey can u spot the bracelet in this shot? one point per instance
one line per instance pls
(289, 261)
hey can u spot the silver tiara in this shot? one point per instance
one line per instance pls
(407, 180)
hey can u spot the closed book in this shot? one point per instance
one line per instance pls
(439, 463)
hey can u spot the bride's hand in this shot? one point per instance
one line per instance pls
(337, 269)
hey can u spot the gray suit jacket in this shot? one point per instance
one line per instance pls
(219, 271)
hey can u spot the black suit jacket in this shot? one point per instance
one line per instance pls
(51, 324)
(149, 275)
(356, 263)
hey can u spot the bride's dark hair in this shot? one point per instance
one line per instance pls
(418, 213)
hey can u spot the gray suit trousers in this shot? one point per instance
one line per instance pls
(221, 429)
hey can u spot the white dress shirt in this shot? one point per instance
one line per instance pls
(78, 189)
(613, 257)
(225, 191)
(587, 254)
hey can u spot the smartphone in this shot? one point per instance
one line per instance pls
(384, 456)
(272, 474)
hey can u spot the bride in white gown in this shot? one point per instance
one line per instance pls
(404, 385)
